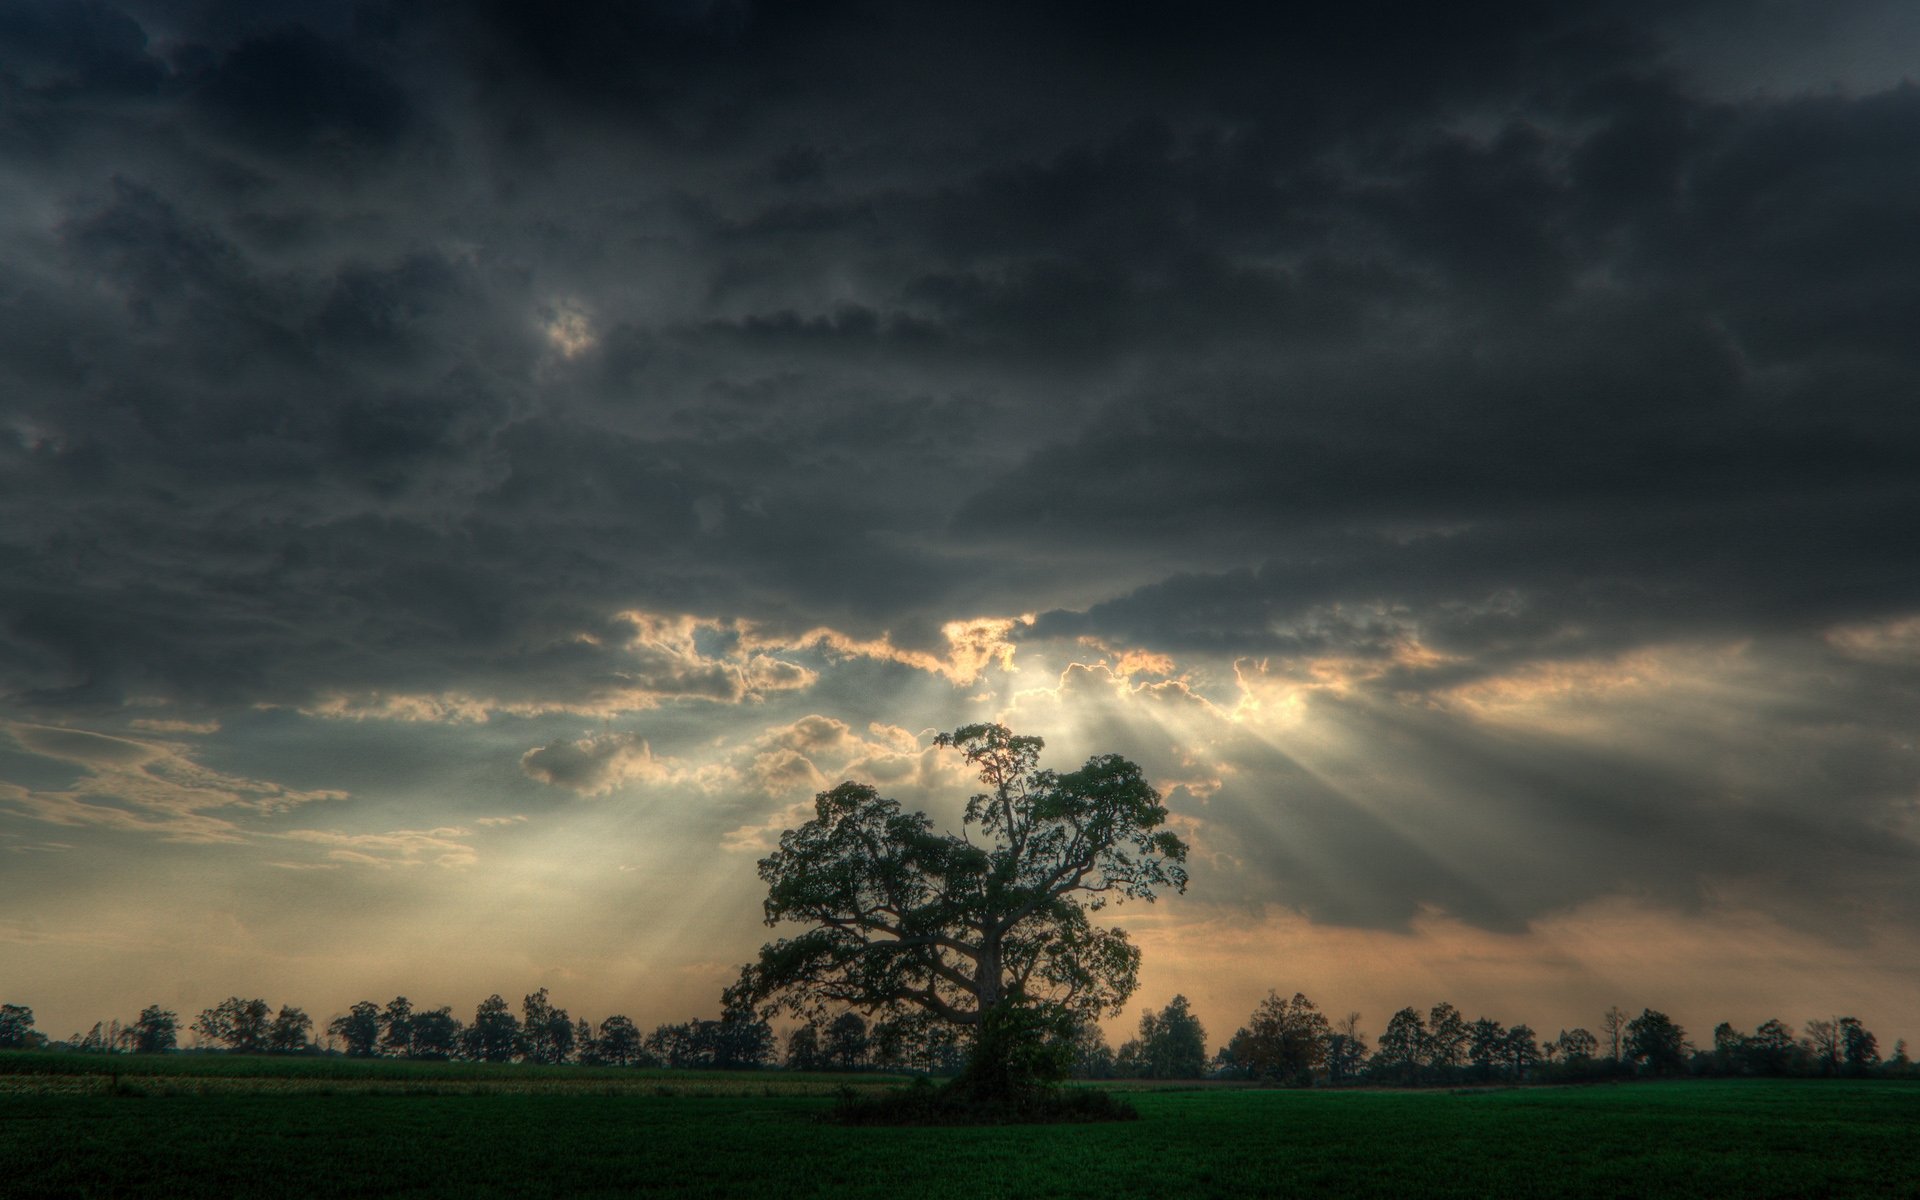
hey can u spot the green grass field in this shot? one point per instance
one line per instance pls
(289, 1128)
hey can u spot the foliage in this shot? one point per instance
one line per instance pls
(732, 1043)
(1655, 1044)
(546, 1032)
(897, 917)
(358, 1030)
(157, 1030)
(398, 1033)
(1284, 1040)
(618, 1044)
(494, 1035)
(1172, 1044)
(291, 1032)
(16, 1028)
(242, 1025)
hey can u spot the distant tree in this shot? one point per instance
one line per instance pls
(1486, 1046)
(1520, 1052)
(359, 1029)
(1770, 1050)
(16, 1028)
(1822, 1045)
(1346, 1049)
(918, 1042)
(969, 929)
(1092, 1057)
(106, 1037)
(1655, 1043)
(435, 1034)
(1900, 1062)
(1447, 1038)
(726, 1044)
(1172, 1044)
(804, 1051)
(546, 1032)
(157, 1030)
(396, 1028)
(1577, 1045)
(1613, 1025)
(619, 1042)
(494, 1035)
(1402, 1047)
(241, 1025)
(738, 1042)
(1284, 1040)
(586, 1047)
(846, 1041)
(1859, 1049)
(291, 1032)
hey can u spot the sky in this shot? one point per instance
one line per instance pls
(471, 472)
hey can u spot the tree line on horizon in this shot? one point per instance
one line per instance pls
(1287, 1042)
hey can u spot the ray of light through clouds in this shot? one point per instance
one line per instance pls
(469, 474)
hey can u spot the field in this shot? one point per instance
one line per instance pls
(204, 1126)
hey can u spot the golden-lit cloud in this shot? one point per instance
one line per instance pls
(439, 847)
(654, 659)
(1894, 642)
(597, 764)
(139, 786)
(974, 646)
(568, 328)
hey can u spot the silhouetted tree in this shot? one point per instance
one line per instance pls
(1172, 1045)
(435, 1034)
(619, 1042)
(1520, 1052)
(804, 1052)
(1655, 1043)
(241, 1024)
(1859, 1049)
(1822, 1045)
(106, 1037)
(396, 1028)
(1402, 1047)
(1613, 1025)
(918, 1041)
(898, 917)
(291, 1032)
(1770, 1050)
(1346, 1049)
(846, 1041)
(494, 1035)
(157, 1030)
(1577, 1045)
(1092, 1057)
(546, 1032)
(16, 1028)
(1486, 1046)
(359, 1029)
(1283, 1040)
(1447, 1037)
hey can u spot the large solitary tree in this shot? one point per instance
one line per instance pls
(986, 930)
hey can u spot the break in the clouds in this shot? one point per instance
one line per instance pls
(452, 451)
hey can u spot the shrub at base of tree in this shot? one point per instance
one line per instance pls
(922, 1103)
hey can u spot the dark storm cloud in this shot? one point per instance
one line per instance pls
(391, 350)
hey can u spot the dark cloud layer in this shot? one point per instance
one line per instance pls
(388, 349)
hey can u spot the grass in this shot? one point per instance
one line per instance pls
(1721, 1138)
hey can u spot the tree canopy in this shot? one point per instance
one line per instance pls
(898, 917)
